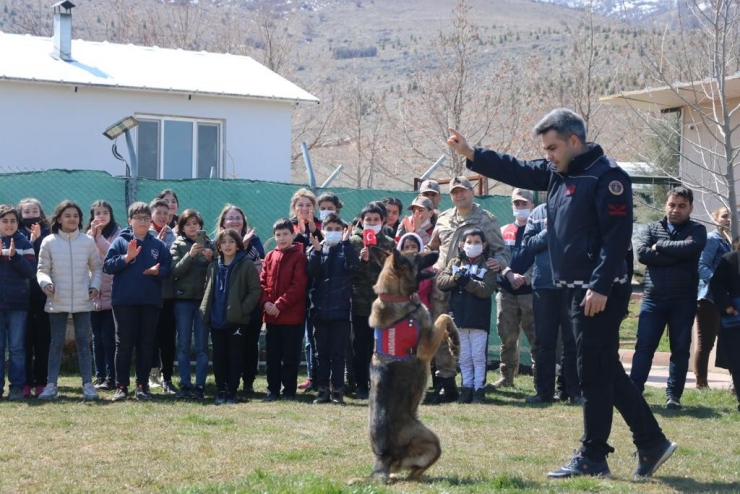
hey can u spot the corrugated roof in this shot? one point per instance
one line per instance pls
(103, 64)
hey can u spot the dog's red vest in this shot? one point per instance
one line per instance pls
(398, 341)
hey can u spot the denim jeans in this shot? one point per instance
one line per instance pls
(13, 330)
(104, 344)
(190, 328)
(678, 314)
(58, 323)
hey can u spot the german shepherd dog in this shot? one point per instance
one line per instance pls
(406, 341)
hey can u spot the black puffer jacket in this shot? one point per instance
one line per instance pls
(673, 267)
(330, 289)
(470, 305)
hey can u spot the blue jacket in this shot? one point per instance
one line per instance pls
(38, 297)
(331, 273)
(535, 241)
(716, 247)
(15, 273)
(130, 285)
(589, 210)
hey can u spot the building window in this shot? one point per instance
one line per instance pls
(175, 148)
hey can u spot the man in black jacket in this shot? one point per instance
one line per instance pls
(670, 248)
(589, 217)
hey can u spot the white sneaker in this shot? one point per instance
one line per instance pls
(154, 381)
(89, 392)
(49, 392)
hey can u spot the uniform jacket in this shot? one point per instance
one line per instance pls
(450, 227)
(673, 267)
(717, 246)
(16, 273)
(589, 213)
(189, 273)
(103, 302)
(130, 285)
(71, 262)
(471, 305)
(331, 276)
(243, 292)
(521, 259)
(363, 294)
(284, 283)
(535, 241)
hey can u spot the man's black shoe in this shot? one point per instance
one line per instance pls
(270, 398)
(198, 393)
(673, 403)
(581, 465)
(537, 400)
(648, 461)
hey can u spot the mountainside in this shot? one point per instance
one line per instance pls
(635, 10)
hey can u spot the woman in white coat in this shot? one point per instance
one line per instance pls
(70, 273)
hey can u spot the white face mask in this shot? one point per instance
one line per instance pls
(323, 213)
(473, 250)
(522, 214)
(425, 225)
(374, 228)
(332, 238)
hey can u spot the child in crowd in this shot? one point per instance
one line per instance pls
(234, 218)
(232, 291)
(190, 261)
(329, 203)
(17, 267)
(393, 208)
(284, 282)
(70, 272)
(471, 285)
(139, 262)
(169, 196)
(164, 343)
(103, 229)
(330, 267)
(35, 228)
(411, 242)
(367, 233)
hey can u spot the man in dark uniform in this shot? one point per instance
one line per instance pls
(589, 217)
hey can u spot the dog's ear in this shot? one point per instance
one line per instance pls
(379, 255)
(426, 260)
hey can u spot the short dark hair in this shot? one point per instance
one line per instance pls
(332, 198)
(282, 224)
(56, 224)
(333, 218)
(374, 207)
(228, 232)
(159, 203)
(681, 191)
(139, 207)
(564, 122)
(393, 201)
(473, 232)
(185, 216)
(6, 209)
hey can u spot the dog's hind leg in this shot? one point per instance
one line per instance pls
(382, 469)
(421, 453)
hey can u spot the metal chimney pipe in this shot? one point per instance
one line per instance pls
(63, 31)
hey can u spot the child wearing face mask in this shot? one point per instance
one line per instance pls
(331, 265)
(411, 242)
(471, 285)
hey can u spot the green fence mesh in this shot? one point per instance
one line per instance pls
(263, 202)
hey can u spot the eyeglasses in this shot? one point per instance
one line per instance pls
(142, 218)
(233, 218)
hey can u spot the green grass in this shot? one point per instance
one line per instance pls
(284, 447)
(628, 329)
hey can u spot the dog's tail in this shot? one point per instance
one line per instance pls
(451, 334)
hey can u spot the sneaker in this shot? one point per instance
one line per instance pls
(26, 391)
(16, 393)
(270, 398)
(305, 384)
(106, 385)
(199, 393)
(121, 394)
(648, 461)
(337, 397)
(142, 393)
(88, 392)
(49, 392)
(537, 400)
(98, 382)
(581, 465)
(673, 403)
(185, 393)
(154, 381)
(220, 398)
(169, 388)
(39, 390)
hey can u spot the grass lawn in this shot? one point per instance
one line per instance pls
(628, 330)
(503, 445)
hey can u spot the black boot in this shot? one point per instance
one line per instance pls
(323, 397)
(479, 396)
(337, 398)
(466, 395)
(449, 386)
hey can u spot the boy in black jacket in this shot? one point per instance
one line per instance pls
(331, 265)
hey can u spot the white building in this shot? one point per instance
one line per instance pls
(200, 113)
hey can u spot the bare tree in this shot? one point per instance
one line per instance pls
(273, 26)
(32, 17)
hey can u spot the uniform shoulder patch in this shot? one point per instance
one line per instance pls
(616, 187)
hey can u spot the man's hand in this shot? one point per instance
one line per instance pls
(11, 249)
(163, 233)
(493, 265)
(92, 293)
(593, 303)
(458, 142)
(731, 311)
(516, 280)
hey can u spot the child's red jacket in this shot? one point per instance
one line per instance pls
(284, 283)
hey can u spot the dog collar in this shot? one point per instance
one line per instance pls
(384, 297)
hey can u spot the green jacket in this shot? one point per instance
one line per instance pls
(363, 294)
(188, 273)
(244, 292)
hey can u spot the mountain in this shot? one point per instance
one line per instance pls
(635, 10)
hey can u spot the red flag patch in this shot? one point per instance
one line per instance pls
(617, 210)
(570, 190)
